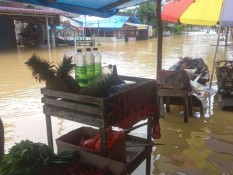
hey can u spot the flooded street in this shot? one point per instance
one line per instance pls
(204, 146)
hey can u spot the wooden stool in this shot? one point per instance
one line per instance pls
(184, 94)
(174, 84)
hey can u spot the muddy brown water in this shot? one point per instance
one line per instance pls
(203, 146)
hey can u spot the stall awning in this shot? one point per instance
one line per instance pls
(101, 8)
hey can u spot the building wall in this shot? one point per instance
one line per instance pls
(7, 36)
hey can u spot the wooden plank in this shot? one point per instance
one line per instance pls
(172, 92)
(136, 79)
(73, 116)
(74, 97)
(97, 110)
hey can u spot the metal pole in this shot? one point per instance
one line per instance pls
(226, 36)
(98, 31)
(85, 31)
(215, 55)
(218, 40)
(75, 44)
(47, 26)
(48, 37)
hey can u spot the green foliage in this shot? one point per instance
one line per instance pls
(177, 29)
(28, 158)
(42, 70)
(65, 67)
(146, 13)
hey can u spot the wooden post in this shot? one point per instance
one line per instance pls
(149, 135)
(160, 35)
(49, 132)
(161, 106)
(1, 140)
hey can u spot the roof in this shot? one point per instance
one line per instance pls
(14, 8)
(101, 8)
(113, 22)
(138, 26)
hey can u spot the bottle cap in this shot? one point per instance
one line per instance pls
(79, 50)
(95, 48)
(88, 49)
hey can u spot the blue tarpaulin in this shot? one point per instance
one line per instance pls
(113, 22)
(101, 8)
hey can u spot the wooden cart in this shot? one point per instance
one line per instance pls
(106, 112)
(224, 74)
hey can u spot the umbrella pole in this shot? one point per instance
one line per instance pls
(160, 35)
(226, 36)
(215, 55)
(216, 49)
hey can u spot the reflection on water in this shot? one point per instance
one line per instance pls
(203, 146)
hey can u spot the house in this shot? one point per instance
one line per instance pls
(117, 28)
(26, 24)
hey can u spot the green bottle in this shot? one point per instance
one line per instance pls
(98, 59)
(90, 64)
(80, 69)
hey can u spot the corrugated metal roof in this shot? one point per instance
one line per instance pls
(29, 11)
(24, 8)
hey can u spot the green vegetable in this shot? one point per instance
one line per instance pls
(28, 158)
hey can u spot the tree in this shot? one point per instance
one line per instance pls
(146, 13)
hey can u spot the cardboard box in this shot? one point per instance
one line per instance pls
(71, 141)
(97, 161)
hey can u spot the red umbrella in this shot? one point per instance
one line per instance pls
(174, 9)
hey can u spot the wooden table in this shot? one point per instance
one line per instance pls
(99, 112)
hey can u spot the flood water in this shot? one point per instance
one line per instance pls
(204, 146)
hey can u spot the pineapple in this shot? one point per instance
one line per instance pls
(99, 88)
(43, 70)
(64, 70)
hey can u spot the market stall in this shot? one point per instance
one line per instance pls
(123, 110)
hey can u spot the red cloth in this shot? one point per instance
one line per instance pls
(135, 105)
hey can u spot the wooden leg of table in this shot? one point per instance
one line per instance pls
(167, 104)
(103, 140)
(148, 164)
(185, 104)
(201, 110)
(161, 106)
(190, 109)
(49, 132)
